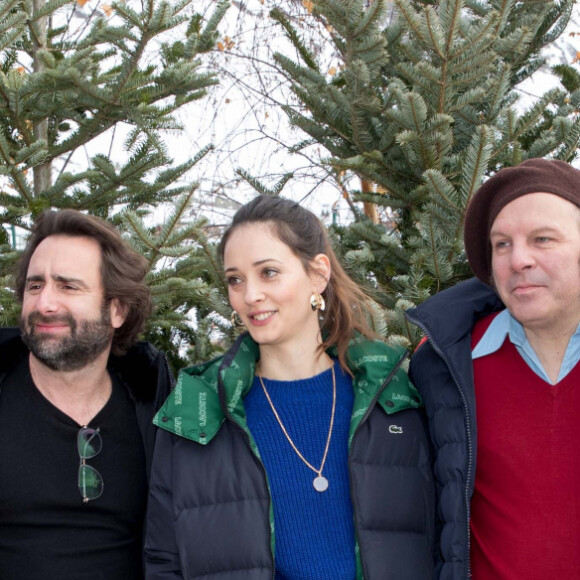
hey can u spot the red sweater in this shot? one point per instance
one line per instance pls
(525, 519)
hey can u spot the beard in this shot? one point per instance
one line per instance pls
(86, 341)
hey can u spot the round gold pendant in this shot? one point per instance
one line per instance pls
(320, 483)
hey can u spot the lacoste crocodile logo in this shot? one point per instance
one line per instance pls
(395, 429)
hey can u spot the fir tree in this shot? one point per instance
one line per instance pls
(423, 108)
(70, 74)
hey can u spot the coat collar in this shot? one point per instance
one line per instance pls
(449, 316)
(12, 349)
(207, 393)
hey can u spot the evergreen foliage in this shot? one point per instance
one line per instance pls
(424, 108)
(71, 73)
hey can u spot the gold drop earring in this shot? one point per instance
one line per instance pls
(236, 320)
(317, 302)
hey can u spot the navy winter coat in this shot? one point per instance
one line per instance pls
(442, 371)
(210, 513)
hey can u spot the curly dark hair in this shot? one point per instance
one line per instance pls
(122, 269)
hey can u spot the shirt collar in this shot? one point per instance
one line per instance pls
(504, 325)
(495, 335)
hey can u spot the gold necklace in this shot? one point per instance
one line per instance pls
(320, 482)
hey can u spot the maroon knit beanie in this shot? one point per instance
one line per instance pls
(531, 176)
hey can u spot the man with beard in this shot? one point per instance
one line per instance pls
(77, 396)
(500, 379)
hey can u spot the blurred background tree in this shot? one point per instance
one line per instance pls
(73, 75)
(422, 106)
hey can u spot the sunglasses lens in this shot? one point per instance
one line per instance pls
(90, 482)
(89, 442)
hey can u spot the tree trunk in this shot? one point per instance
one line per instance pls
(42, 173)
(370, 208)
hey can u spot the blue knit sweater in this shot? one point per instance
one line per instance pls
(314, 531)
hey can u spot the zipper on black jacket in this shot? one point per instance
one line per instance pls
(369, 410)
(439, 352)
(227, 414)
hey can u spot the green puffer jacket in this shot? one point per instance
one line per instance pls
(208, 482)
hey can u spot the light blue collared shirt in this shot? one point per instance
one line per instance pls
(504, 324)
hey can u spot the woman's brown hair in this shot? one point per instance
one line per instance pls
(347, 306)
(122, 269)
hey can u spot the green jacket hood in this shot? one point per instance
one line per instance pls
(204, 393)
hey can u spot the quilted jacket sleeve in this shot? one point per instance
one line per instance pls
(162, 560)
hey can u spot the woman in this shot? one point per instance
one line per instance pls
(301, 453)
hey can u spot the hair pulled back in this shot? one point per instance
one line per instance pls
(347, 306)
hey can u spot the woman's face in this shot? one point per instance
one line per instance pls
(269, 287)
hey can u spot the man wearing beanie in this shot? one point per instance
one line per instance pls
(500, 378)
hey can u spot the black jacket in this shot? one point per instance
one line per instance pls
(442, 371)
(144, 370)
(210, 514)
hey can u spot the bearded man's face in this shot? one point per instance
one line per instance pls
(65, 321)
